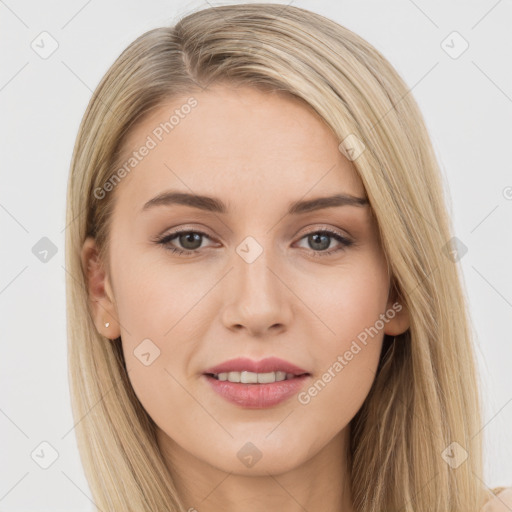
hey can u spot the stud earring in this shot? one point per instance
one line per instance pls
(107, 324)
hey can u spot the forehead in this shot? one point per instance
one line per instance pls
(265, 143)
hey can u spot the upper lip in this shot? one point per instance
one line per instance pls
(267, 365)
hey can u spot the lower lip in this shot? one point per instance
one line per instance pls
(257, 396)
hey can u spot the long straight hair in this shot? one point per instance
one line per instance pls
(425, 395)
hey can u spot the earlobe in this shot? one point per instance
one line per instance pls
(397, 313)
(101, 299)
(398, 323)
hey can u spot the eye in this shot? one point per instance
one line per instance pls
(191, 241)
(320, 240)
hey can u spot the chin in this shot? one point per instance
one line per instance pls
(259, 458)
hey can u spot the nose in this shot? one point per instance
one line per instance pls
(257, 297)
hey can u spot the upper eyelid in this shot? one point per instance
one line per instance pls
(313, 228)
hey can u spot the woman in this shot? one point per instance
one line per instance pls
(264, 306)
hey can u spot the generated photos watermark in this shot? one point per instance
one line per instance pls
(152, 141)
(304, 397)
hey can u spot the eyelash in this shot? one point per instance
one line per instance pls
(164, 241)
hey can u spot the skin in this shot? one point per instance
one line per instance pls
(258, 153)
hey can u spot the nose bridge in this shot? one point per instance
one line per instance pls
(256, 281)
(258, 299)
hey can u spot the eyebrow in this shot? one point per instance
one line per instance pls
(212, 204)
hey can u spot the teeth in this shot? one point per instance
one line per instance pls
(254, 378)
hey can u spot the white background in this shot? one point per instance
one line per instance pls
(467, 104)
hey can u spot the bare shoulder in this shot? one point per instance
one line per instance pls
(501, 502)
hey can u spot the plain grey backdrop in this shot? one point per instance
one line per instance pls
(455, 56)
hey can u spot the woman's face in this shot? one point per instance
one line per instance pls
(258, 281)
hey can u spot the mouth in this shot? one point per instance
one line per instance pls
(247, 377)
(256, 390)
(256, 384)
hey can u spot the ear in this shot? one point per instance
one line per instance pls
(101, 297)
(397, 313)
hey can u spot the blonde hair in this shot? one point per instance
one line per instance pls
(425, 394)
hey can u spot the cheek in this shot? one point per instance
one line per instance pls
(351, 307)
(162, 312)
(351, 299)
(154, 298)
(346, 362)
(343, 386)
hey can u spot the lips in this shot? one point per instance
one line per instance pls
(267, 365)
(249, 394)
(257, 396)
